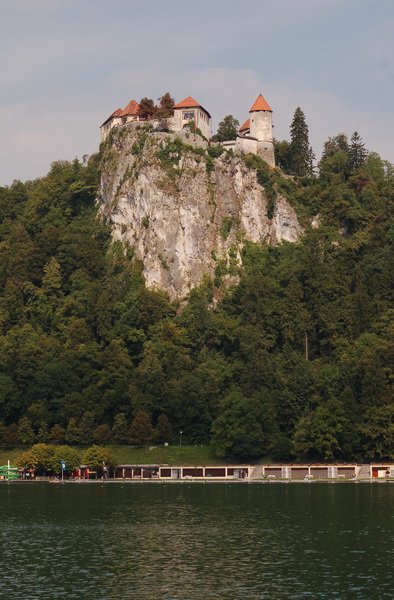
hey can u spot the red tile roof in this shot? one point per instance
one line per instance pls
(260, 104)
(116, 113)
(246, 125)
(131, 109)
(188, 102)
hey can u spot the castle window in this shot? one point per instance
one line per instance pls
(188, 115)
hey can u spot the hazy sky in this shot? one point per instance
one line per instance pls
(66, 65)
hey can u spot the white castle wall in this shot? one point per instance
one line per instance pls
(261, 125)
(266, 151)
(246, 145)
(182, 116)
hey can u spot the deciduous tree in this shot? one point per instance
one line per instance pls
(227, 129)
(38, 458)
(237, 432)
(57, 434)
(65, 454)
(98, 457)
(147, 108)
(166, 106)
(102, 434)
(141, 430)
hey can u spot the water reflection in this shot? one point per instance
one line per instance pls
(189, 542)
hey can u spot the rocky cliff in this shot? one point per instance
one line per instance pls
(186, 210)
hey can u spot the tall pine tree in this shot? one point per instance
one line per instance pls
(300, 152)
(357, 152)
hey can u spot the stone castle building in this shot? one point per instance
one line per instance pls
(184, 112)
(254, 136)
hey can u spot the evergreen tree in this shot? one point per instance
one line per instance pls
(120, 429)
(141, 430)
(163, 430)
(43, 433)
(357, 152)
(72, 432)
(52, 280)
(86, 428)
(25, 434)
(300, 152)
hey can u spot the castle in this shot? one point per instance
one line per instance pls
(254, 136)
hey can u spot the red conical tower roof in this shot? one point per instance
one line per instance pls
(260, 104)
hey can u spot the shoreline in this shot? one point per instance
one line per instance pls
(200, 481)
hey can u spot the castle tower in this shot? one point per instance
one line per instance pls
(261, 129)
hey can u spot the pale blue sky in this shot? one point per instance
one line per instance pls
(66, 65)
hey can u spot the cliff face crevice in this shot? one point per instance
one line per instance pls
(185, 213)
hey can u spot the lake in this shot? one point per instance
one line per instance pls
(189, 541)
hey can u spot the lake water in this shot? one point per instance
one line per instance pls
(196, 541)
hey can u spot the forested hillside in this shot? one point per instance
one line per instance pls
(296, 362)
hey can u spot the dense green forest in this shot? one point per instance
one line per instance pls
(296, 362)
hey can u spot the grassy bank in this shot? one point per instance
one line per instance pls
(171, 455)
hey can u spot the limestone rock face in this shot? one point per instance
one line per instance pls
(184, 213)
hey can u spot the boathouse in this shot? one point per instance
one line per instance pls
(204, 472)
(378, 470)
(179, 472)
(316, 471)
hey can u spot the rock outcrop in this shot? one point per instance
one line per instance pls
(184, 212)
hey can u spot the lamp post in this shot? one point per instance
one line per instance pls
(180, 438)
